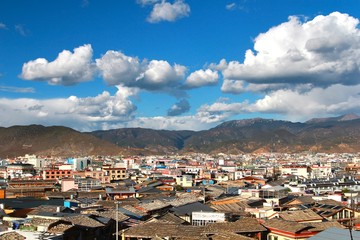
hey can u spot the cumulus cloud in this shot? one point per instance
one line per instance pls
(221, 111)
(336, 99)
(166, 11)
(179, 108)
(67, 69)
(238, 86)
(292, 104)
(117, 68)
(322, 52)
(80, 113)
(201, 78)
(161, 73)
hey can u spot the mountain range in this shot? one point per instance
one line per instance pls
(333, 135)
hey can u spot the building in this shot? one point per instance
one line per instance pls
(56, 174)
(296, 170)
(114, 173)
(20, 170)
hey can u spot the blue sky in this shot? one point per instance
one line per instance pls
(183, 64)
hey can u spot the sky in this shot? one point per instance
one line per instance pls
(176, 64)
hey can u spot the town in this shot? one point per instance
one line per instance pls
(271, 196)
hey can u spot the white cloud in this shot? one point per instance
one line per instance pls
(161, 73)
(166, 11)
(179, 108)
(233, 86)
(22, 30)
(336, 99)
(117, 68)
(17, 89)
(230, 6)
(201, 78)
(67, 69)
(221, 111)
(3, 25)
(322, 52)
(238, 86)
(83, 114)
(147, 2)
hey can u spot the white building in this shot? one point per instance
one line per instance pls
(203, 218)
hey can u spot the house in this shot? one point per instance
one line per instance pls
(299, 216)
(280, 229)
(120, 192)
(30, 188)
(164, 230)
(248, 227)
(334, 233)
(185, 211)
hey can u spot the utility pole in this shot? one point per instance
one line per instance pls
(117, 220)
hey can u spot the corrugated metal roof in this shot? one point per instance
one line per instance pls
(335, 234)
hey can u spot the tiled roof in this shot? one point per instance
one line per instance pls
(156, 229)
(171, 218)
(132, 210)
(42, 221)
(321, 226)
(243, 225)
(300, 215)
(154, 205)
(59, 228)
(82, 220)
(230, 205)
(179, 201)
(287, 226)
(109, 214)
(46, 208)
(229, 236)
(301, 200)
(12, 236)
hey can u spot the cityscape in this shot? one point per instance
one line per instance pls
(179, 120)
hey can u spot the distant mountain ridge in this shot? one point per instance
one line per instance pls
(346, 117)
(336, 134)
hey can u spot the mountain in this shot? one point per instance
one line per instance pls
(54, 141)
(346, 117)
(338, 134)
(263, 135)
(152, 140)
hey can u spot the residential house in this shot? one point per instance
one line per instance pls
(280, 229)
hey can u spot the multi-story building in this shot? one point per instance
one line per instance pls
(87, 184)
(296, 170)
(322, 171)
(115, 173)
(56, 174)
(20, 170)
(100, 174)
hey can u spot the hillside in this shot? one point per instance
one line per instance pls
(54, 141)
